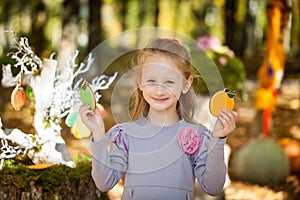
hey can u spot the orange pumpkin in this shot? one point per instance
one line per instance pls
(18, 98)
(292, 149)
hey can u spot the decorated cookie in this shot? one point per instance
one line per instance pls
(79, 129)
(87, 95)
(223, 99)
(71, 119)
(18, 97)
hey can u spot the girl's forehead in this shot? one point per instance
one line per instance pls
(158, 63)
(159, 58)
(160, 70)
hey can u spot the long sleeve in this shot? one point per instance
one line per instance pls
(209, 165)
(109, 161)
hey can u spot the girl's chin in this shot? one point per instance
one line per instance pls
(161, 108)
(158, 107)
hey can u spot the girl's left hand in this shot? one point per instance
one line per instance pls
(225, 123)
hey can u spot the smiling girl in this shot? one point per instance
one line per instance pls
(162, 150)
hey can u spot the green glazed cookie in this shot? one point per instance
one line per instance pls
(71, 119)
(87, 95)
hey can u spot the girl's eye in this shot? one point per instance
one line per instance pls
(170, 82)
(150, 81)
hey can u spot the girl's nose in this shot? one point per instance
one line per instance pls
(160, 89)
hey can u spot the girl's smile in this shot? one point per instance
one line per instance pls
(160, 100)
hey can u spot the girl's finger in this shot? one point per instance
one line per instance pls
(225, 118)
(84, 107)
(228, 118)
(229, 115)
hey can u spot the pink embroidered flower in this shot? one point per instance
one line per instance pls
(188, 140)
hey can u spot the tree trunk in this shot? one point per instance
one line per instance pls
(199, 14)
(142, 14)
(123, 5)
(156, 13)
(249, 40)
(95, 27)
(230, 8)
(69, 31)
(39, 20)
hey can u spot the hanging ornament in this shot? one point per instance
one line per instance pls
(87, 95)
(18, 96)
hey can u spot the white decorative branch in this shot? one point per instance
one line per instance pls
(23, 143)
(56, 95)
(25, 57)
(102, 82)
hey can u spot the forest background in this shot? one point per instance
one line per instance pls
(62, 26)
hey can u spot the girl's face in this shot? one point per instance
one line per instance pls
(162, 83)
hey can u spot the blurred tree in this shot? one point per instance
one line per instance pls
(249, 27)
(251, 21)
(95, 27)
(199, 13)
(298, 22)
(142, 16)
(295, 29)
(230, 8)
(122, 8)
(4, 16)
(70, 31)
(39, 17)
(142, 12)
(156, 12)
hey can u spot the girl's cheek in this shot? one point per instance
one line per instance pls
(176, 92)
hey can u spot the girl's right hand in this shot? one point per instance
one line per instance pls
(92, 119)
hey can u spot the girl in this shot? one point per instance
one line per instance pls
(162, 150)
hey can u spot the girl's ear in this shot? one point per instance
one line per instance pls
(140, 86)
(188, 84)
(139, 82)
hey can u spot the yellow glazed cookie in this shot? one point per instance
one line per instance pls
(223, 99)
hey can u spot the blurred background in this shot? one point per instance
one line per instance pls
(62, 26)
(57, 25)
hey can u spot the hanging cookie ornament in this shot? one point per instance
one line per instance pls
(18, 96)
(73, 120)
(223, 99)
(87, 95)
(79, 129)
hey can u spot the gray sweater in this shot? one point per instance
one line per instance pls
(155, 165)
